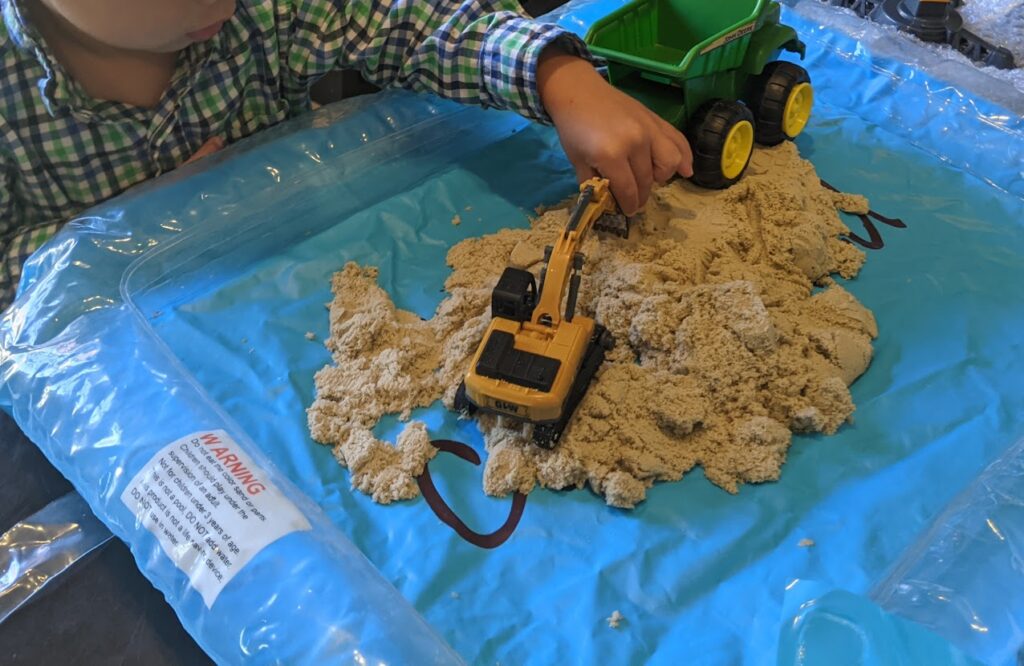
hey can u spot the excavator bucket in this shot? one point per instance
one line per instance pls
(613, 223)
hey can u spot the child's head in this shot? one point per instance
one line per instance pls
(154, 26)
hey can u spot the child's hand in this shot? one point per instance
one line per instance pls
(608, 133)
(209, 148)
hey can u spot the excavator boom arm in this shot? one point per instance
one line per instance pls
(595, 200)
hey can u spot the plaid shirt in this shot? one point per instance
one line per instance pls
(62, 151)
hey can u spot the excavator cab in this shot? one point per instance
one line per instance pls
(515, 295)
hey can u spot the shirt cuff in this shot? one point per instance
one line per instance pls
(509, 64)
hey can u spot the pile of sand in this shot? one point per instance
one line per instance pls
(723, 348)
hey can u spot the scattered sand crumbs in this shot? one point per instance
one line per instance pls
(805, 543)
(457, 220)
(615, 619)
(724, 347)
(310, 335)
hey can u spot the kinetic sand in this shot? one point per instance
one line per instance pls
(723, 348)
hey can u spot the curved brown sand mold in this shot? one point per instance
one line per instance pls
(722, 350)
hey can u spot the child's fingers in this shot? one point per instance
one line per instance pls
(623, 183)
(666, 157)
(211, 146)
(641, 163)
(584, 172)
(685, 166)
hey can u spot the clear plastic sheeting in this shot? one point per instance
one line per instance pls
(931, 97)
(183, 308)
(940, 61)
(1001, 21)
(834, 626)
(963, 579)
(83, 373)
(38, 549)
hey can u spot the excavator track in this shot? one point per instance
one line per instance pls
(547, 435)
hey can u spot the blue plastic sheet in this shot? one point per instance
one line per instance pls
(183, 306)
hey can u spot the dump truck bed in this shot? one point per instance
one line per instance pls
(677, 39)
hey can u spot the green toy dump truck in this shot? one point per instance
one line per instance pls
(708, 67)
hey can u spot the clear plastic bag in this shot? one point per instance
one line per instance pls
(38, 549)
(1004, 87)
(963, 578)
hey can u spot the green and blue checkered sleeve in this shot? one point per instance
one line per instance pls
(482, 52)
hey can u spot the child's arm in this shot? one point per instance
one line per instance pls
(479, 52)
(484, 52)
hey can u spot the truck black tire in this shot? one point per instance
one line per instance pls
(770, 92)
(712, 126)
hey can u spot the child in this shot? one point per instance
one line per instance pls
(98, 95)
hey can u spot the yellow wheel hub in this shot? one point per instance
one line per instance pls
(798, 110)
(738, 146)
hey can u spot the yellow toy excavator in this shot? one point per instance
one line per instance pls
(537, 358)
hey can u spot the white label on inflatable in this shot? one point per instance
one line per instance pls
(210, 507)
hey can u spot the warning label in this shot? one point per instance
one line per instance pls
(210, 508)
